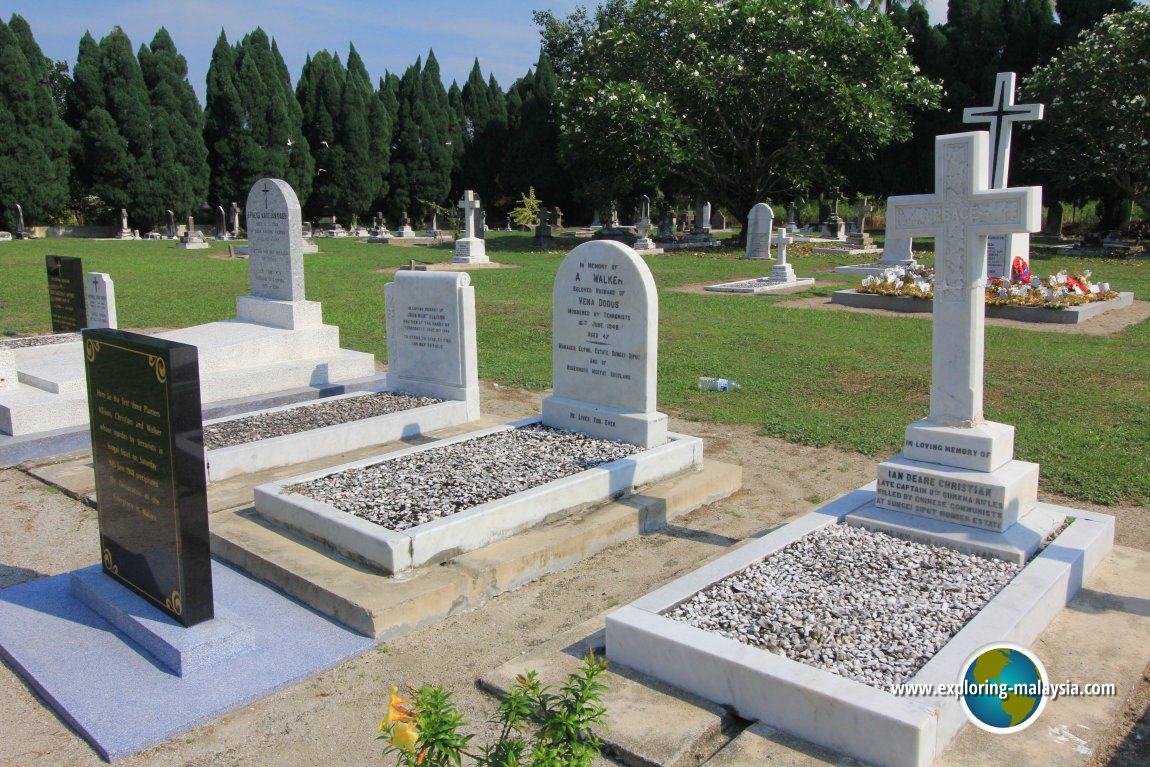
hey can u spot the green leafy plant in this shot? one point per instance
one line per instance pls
(425, 730)
(528, 210)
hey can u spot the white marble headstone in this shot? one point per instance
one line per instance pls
(759, 231)
(100, 294)
(275, 245)
(605, 320)
(431, 347)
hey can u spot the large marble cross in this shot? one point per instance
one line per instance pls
(470, 205)
(959, 215)
(781, 241)
(1000, 116)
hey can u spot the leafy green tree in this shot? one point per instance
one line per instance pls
(1097, 123)
(34, 141)
(740, 100)
(421, 151)
(109, 107)
(485, 137)
(179, 179)
(253, 122)
(533, 140)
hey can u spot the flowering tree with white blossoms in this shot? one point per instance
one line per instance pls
(1097, 124)
(740, 100)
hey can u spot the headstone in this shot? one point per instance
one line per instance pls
(864, 210)
(605, 320)
(431, 347)
(595, 219)
(718, 220)
(171, 225)
(101, 301)
(66, 293)
(792, 221)
(221, 223)
(833, 225)
(275, 260)
(955, 465)
(20, 233)
(234, 222)
(192, 238)
(405, 229)
(556, 217)
(897, 251)
(125, 233)
(613, 220)
(782, 271)
(759, 228)
(643, 225)
(666, 230)
(703, 218)
(1004, 252)
(148, 459)
(542, 229)
(470, 248)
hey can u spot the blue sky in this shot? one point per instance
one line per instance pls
(389, 35)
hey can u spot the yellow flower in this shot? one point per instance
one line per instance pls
(398, 723)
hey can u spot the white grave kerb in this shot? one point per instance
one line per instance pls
(604, 348)
(1002, 250)
(275, 260)
(100, 296)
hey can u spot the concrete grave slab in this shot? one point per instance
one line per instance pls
(120, 699)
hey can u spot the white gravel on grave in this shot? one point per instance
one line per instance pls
(307, 417)
(405, 492)
(24, 342)
(858, 603)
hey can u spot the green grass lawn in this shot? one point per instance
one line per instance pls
(1080, 403)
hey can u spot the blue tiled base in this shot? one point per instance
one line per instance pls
(120, 698)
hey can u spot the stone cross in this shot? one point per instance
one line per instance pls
(542, 217)
(557, 217)
(782, 241)
(1000, 116)
(469, 203)
(959, 215)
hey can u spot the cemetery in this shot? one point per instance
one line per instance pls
(500, 480)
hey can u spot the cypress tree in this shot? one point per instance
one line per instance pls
(422, 156)
(533, 146)
(456, 136)
(180, 180)
(318, 93)
(485, 139)
(360, 138)
(34, 141)
(388, 110)
(224, 135)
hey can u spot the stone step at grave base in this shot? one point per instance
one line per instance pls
(382, 606)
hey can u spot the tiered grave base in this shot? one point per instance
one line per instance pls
(864, 722)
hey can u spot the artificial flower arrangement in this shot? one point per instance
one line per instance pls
(1055, 292)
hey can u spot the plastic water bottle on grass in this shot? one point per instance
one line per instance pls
(706, 383)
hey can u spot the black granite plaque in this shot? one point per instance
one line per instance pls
(66, 293)
(148, 454)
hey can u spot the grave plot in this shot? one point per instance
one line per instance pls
(504, 493)
(782, 275)
(859, 613)
(432, 383)
(426, 504)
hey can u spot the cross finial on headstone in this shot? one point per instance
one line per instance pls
(95, 284)
(959, 215)
(1000, 116)
(267, 191)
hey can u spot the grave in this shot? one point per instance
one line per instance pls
(897, 253)
(192, 239)
(379, 232)
(405, 230)
(101, 301)
(956, 485)
(543, 238)
(431, 352)
(66, 293)
(643, 243)
(470, 248)
(278, 345)
(156, 639)
(700, 234)
(604, 355)
(782, 276)
(125, 232)
(759, 230)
